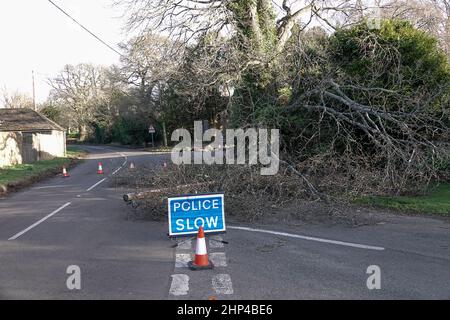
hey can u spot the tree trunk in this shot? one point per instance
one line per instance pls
(164, 134)
(83, 132)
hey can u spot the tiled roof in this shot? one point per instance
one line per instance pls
(22, 119)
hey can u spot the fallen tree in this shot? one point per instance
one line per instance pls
(148, 193)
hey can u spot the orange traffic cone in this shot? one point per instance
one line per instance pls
(65, 173)
(100, 168)
(201, 261)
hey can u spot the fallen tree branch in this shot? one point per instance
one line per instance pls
(310, 186)
(147, 193)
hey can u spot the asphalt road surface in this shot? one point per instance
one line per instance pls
(81, 221)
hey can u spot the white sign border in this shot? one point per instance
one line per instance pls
(203, 196)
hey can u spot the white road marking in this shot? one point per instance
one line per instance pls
(219, 259)
(180, 282)
(92, 187)
(123, 164)
(40, 221)
(126, 158)
(216, 242)
(182, 259)
(222, 284)
(341, 243)
(57, 186)
(179, 285)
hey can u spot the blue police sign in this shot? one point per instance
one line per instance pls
(188, 213)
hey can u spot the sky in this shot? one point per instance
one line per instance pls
(37, 36)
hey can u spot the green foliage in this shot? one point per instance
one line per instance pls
(101, 132)
(52, 112)
(263, 35)
(73, 135)
(127, 130)
(397, 56)
(183, 108)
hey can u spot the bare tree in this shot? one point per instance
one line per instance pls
(15, 99)
(255, 23)
(147, 64)
(79, 90)
(432, 16)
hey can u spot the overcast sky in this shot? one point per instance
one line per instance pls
(37, 36)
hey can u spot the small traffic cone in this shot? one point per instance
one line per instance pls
(132, 167)
(65, 173)
(100, 168)
(201, 261)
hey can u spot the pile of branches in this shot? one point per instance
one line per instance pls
(248, 193)
(401, 150)
(378, 107)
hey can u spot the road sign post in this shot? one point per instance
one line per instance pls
(188, 213)
(152, 130)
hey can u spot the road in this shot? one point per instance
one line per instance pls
(81, 221)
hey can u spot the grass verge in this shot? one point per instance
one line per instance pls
(437, 201)
(74, 152)
(21, 175)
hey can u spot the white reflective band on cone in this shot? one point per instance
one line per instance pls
(200, 248)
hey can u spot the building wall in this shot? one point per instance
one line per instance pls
(10, 148)
(27, 147)
(51, 145)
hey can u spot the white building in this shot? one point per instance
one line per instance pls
(27, 136)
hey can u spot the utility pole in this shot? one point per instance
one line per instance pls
(34, 93)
